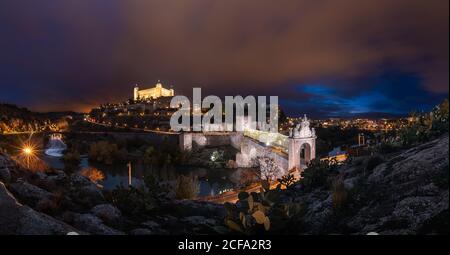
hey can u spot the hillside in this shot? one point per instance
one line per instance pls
(14, 119)
(406, 193)
(399, 193)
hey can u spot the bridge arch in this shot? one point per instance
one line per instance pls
(305, 153)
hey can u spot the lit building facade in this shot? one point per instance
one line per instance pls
(152, 93)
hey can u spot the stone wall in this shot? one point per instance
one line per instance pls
(188, 140)
(251, 149)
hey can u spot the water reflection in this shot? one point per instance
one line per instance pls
(56, 146)
(212, 181)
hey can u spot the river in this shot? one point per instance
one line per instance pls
(211, 181)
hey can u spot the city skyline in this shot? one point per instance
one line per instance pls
(324, 58)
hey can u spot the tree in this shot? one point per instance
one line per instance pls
(107, 153)
(268, 167)
(149, 156)
(187, 187)
(72, 160)
(425, 126)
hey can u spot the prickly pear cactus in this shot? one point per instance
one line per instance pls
(260, 212)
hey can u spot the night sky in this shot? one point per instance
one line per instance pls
(321, 57)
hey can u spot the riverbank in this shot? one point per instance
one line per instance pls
(58, 203)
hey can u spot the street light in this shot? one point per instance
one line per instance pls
(28, 152)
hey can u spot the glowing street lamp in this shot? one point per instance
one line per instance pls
(28, 152)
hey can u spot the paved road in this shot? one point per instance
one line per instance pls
(136, 129)
(232, 196)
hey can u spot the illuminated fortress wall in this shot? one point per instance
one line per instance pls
(153, 93)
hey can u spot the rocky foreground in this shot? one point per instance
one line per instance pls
(57, 203)
(403, 193)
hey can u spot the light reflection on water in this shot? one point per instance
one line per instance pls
(211, 181)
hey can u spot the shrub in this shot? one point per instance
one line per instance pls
(386, 148)
(424, 127)
(248, 176)
(339, 194)
(373, 162)
(93, 174)
(132, 202)
(72, 157)
(166, 155)
(318, 173)
(441, 179)
(107, 153)
(138, 203)
(287, 180)
(263, 212)
(154, 187)
(186, 187)
(149, 157)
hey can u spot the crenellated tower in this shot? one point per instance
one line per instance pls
(136, 92)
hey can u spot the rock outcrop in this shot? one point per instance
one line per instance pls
(408, 190)
(405, 194)
(6, 165)
(94, 225)
(107, 213)
(17, 219)
(85, 193)
(58, 203)
(30, 194)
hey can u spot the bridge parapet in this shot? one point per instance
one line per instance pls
(269, 139)
(289, 152)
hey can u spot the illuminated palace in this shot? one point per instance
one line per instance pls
(152, 93)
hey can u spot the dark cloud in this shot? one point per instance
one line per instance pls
(390, 94)
(75, 54)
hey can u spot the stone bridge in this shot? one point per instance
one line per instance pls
(288, 152)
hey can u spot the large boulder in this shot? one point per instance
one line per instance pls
(94, 225)
(30, 194)
(51, 181)
(107, 213)
(319, 211)
(199, 220)
(141, 232)
(151, 227)
(84, 192)
(6, 161)
(6, 165)
(16, 219)
(5, 175)
(186, 208)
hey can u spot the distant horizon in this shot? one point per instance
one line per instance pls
(367, 115)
